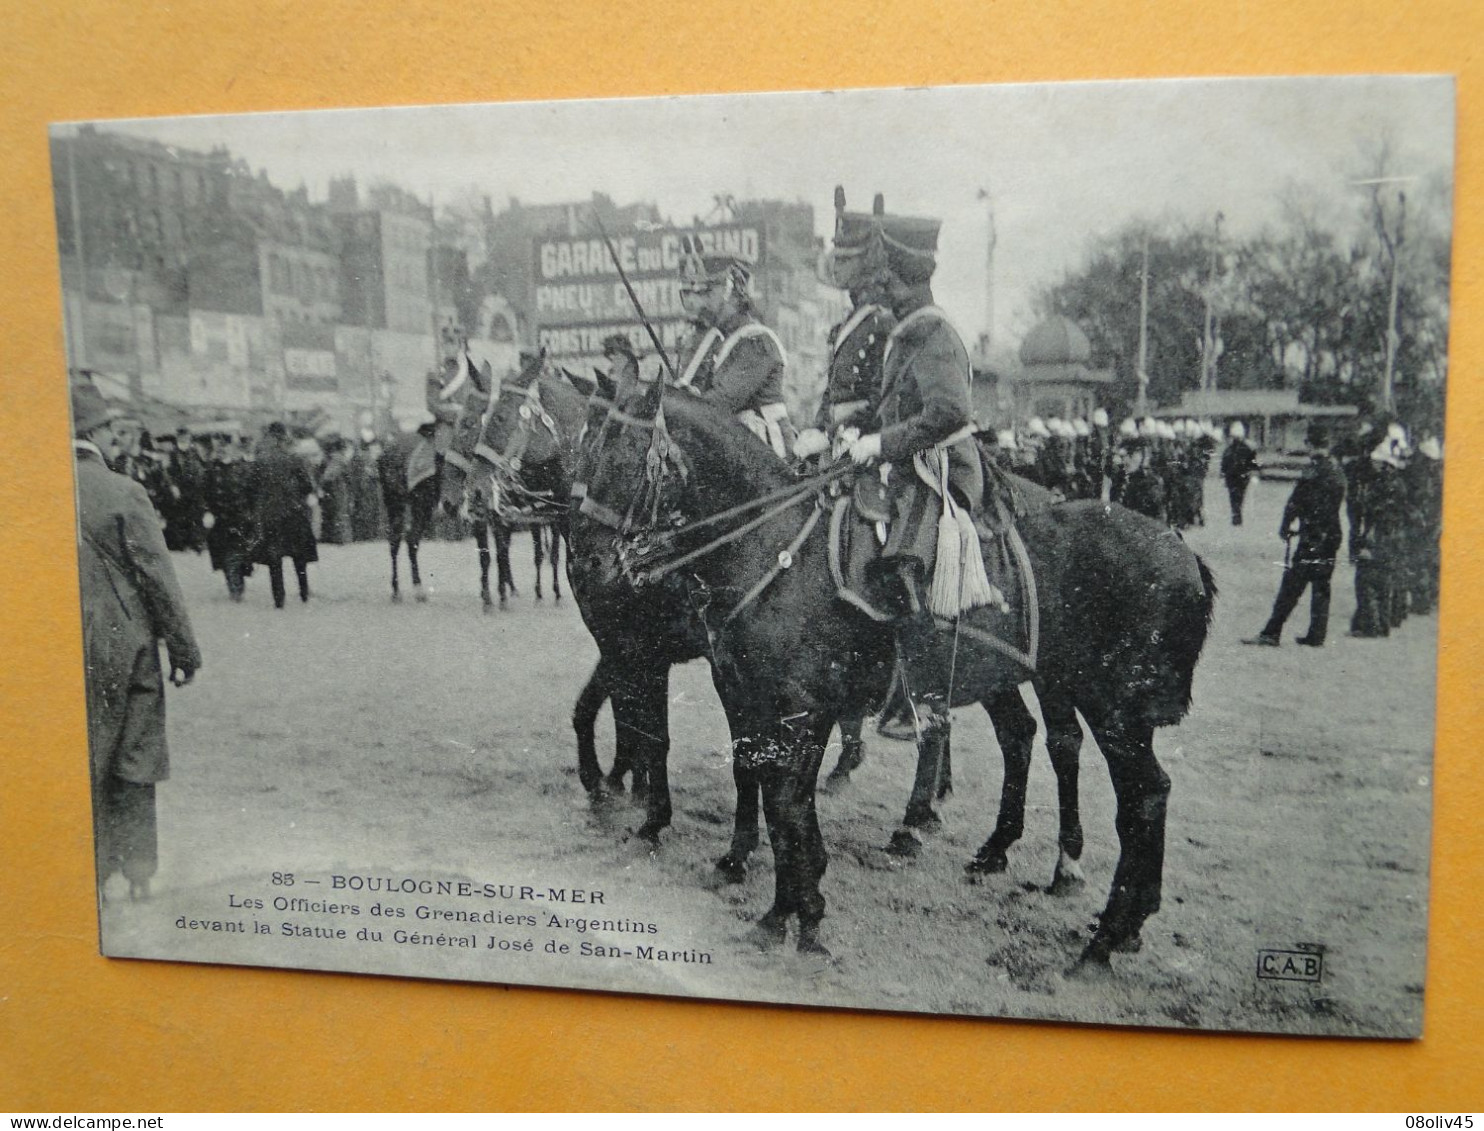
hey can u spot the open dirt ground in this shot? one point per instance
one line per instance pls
(351, 737)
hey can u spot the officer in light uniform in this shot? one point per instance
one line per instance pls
(734, 361)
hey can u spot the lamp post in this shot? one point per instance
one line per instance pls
(1142, 405)
(1388, 377)
(1208, 343)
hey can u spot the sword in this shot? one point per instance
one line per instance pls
(638, 307)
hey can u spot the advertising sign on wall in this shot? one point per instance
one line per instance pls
(580, 298)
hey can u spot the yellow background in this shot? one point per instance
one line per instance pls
(81, 1033)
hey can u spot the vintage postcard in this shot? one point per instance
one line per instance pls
(968, 550)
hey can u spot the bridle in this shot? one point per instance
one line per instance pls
(649, 554)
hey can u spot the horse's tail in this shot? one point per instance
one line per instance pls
(1191, 617)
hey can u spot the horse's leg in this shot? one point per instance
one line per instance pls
(394, 541)
(556, 564)
(945, 769)
(1064, 744)
(1142, 789)
(652, 727)
(482, 540)
(1015, 728)
(745, 819)
(502, 562)
(787, 771)
(590, 701)
(852, 753)
(414, 540)
(540, 558)
(932, 736)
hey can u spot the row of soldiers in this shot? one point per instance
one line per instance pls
(1155, 467)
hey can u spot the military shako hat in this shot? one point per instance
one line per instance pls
(909, 244)
(701, 269)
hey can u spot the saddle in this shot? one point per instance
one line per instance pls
(854, 543)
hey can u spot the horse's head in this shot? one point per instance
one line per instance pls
(632, 466)
(534, 418)
(459, 399)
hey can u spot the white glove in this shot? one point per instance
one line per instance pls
(208, 520)
(811, 442)
(866, 449)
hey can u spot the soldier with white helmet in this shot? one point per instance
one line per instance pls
(1238, 465)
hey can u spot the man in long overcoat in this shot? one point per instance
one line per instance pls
(282, 489)
(130, 603)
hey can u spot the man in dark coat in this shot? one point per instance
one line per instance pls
(228, 517)
(1315, 507)
(282, 491)
(1238, 465)
(130, 603)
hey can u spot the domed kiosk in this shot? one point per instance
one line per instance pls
(1056, 376)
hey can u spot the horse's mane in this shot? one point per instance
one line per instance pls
(721, 448)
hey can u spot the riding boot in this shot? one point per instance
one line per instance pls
(926, 680)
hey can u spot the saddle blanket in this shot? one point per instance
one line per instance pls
(853, 545)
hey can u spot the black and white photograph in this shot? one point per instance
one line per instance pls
(959, 550)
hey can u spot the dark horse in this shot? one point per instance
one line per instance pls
(637, 635)
(409, 501)
(1124, 607)
(528, 493)
(642, 633)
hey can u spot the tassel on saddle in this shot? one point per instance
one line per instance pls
(960, 582)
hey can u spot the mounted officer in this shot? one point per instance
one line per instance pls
(735, 362)
(852, 392)
(923, 433)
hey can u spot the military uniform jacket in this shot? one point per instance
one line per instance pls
(857, 349)
(130, 602)
(924, 404)
(737, 368)
(1239, 460)
(1315, 506)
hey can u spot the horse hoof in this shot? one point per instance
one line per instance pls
(732, 869)
(904, 843)
(925, 819)
(767, 934)
(396, 598)
(1068, 878)
(837, 780)
(1091, 966)
(1131, 945)
(987, 863)
(649, 834)
(809, 942)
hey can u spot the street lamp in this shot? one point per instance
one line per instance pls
(1208, 344)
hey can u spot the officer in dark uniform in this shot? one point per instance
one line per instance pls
(924, 412)
(1424, 483)
(1315, 507)
(857, 344)
(733, 361)
(1380, 540)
